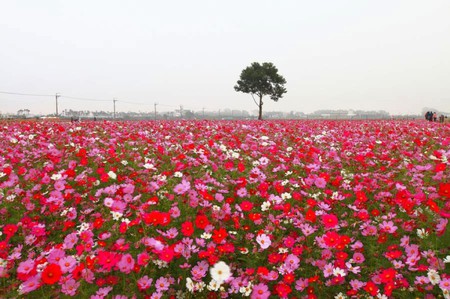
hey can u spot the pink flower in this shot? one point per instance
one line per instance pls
(70, 287)
(162, 284)
(182, 188)
(67, 264)
(126, 263)
(444, 284)
(199, 271)
(292, 262)
(70, 240)
(144, 283)
(264, 241)
(388, 227)
(26, 267)
(320, 182)
(301, 284)
(242, 192)
(30, 284)
(358, 258)
(260, 291)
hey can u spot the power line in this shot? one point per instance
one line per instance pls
(83, 99)
(27, 94)
(133, 103)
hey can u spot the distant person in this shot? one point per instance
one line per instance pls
(428, 115)
(441, 118)
(435, 116)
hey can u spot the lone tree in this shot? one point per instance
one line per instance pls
(261, 80)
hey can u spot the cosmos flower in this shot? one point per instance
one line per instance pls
(220, 272)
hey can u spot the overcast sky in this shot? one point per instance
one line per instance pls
(391, 55)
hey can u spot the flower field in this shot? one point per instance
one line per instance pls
(225, 209)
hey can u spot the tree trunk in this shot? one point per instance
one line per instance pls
(260, 107)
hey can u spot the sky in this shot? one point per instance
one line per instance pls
(347, 54)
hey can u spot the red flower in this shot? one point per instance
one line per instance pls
(329, 220)
(98, 222)
(282, 290)
(219, 235)
(201, 221)
(310, 216)
(246, 206)
(388, 275)
(371, 288)
(108, 259)
(444, 190)
(331, 239)
(9, 230)
(51, 274)
(187, 228)
(440, 167)
(166, 255)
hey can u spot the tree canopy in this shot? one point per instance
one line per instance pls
(261, 80)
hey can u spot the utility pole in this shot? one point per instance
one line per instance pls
(56, 98)
(155, 109)
(114, 103)
(181, 111)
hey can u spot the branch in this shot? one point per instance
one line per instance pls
(254, 100)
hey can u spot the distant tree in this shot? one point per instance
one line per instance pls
(261, 80)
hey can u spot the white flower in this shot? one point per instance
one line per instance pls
(199, 286)
(282, 250)
(149, 166)
(286, 195)
(206, 236)
(422, 233)
(112, 175)
(433, 276)
(56, 176)
(246, 291)
(340, 296)
(220, 272)
(124, 162)
(339, 272)
(213, 285)
(447, 259)
(116, 215)
(190, 285)
(177, 174)
(265, 206)
(83, 226)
